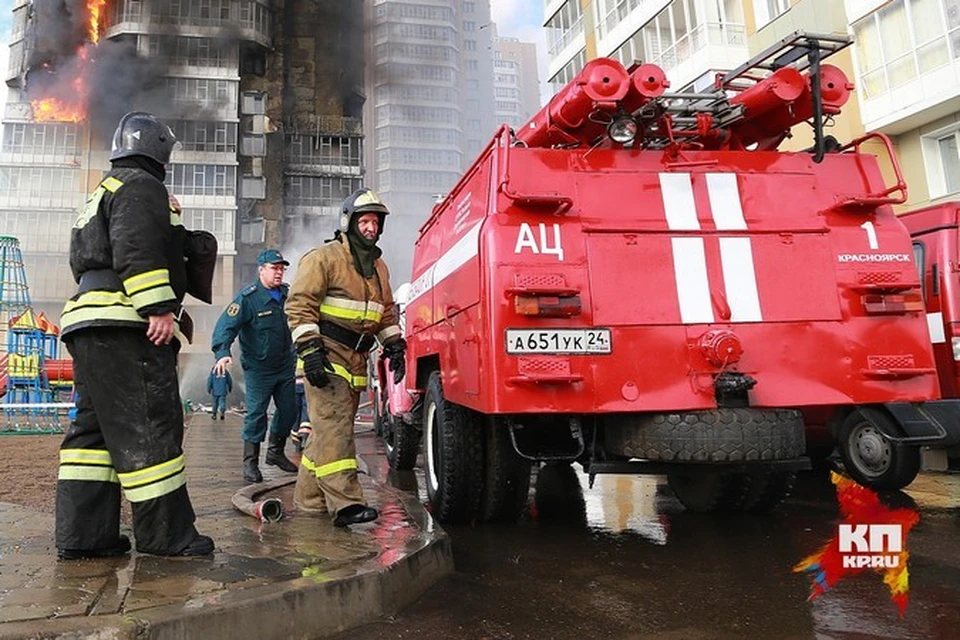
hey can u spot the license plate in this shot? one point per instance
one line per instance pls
(558, 341)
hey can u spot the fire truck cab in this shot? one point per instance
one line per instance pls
(641, 282)
(936, 251)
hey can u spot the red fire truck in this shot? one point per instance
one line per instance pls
(936, 251)
(639, 281)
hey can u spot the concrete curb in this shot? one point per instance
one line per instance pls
(338, 599)
(303, 609)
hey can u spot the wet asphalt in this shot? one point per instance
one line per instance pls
(625, 560)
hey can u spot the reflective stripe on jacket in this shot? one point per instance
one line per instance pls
(127, 242)
(328, 288)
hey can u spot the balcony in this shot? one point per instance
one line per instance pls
(712, 45)
(624, 9)
(568, 36)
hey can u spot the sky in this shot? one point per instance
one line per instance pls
(523, 19)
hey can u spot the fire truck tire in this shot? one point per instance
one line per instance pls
(718, 435)
(506, 479)
(401, 442)
(871, 459)
(453, 456)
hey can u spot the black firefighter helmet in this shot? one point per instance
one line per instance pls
(142, 134)
(361, 201)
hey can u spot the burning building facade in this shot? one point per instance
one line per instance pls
(265, 96)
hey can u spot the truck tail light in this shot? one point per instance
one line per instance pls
(547, 306)
(893, 303)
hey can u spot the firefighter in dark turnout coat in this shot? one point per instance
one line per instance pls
(124, 328)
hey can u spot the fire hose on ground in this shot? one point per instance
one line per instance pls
(266, 510)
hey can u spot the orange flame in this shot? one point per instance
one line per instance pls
(95, 8)
(57, 110)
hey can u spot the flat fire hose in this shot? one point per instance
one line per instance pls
(266, 510)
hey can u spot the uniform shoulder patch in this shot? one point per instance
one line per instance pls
(233, 309)
(247, 291)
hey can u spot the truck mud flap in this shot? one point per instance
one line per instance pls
(933, 423)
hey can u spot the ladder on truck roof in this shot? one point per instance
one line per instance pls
(801, 50)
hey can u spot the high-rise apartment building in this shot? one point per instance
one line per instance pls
(265, 97)
(430, 89)
(516, 81)
(477, 33)
(688, 39)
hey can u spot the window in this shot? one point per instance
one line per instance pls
(202, 180)
(941, 155)
(252, 232)
(218, 137)
(469, 25)
(471, 65)
(343, 153)
(569, 70)
(253, 145)
(765, 11)
(470, 45)
(219, 222)
(919, 255)
(40, 139)
(326, 191)
(904, 40)
(949, 152)
(254, 103)
(566, 25)
(39, 231)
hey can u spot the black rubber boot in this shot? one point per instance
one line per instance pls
(201, 546)
(275, 455)
(120, 548)
(355, 514)
(251, 462)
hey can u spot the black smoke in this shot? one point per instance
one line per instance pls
(115, 77)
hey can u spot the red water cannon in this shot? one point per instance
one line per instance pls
(774, 105)
(580, 111)
(647, 82)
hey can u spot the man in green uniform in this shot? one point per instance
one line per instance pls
(256, 315)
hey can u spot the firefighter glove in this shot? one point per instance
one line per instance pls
(395, 351)
(316, 365)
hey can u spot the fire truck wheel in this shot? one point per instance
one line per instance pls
(506, 478)
(704, 491)
(401, 441)
(871, 459)
(453, 456)
(718, 435)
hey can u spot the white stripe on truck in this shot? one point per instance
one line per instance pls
(935, 327)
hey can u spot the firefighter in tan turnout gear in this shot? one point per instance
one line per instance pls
(339, 304)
